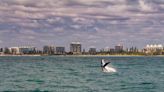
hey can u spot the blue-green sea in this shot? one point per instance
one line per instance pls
(81, 74)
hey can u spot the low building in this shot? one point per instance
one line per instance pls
(14, 50)
(119, 48)
(60, 50)
(6, 50)
(153, 48)
(112, 50)
(92, 51)
(27, 50)
(106, 49)
(21, 50)
(1, 51)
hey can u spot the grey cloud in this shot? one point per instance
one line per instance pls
(101, 23)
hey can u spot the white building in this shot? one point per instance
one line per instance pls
(22, 50)
(14, 50)
(153, 48)
(75, 47)
(27, 50)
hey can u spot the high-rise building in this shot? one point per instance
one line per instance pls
(119, 48)
(75, 47)
(60, 50)
(49, 50)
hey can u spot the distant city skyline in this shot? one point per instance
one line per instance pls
(93, 23)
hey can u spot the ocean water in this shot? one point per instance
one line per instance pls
(81, 74)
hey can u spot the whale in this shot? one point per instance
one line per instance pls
(106, 66)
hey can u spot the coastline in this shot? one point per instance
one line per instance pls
(86, 55)
(18, 55)
(113, 56)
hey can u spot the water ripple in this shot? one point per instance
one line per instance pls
(80, 74)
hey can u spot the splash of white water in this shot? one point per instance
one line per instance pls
(109, 69)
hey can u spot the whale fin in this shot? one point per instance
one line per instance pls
(106, 64)
(103, 63)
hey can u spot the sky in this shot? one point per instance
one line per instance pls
(94, 23)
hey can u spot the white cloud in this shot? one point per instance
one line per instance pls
(117, 8)
(94, 1)
(90, 21)
(145, 6)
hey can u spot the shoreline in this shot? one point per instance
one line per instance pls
(18, 55)
(107, 55)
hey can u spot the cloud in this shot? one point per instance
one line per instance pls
(144, 6)
(93, 22)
